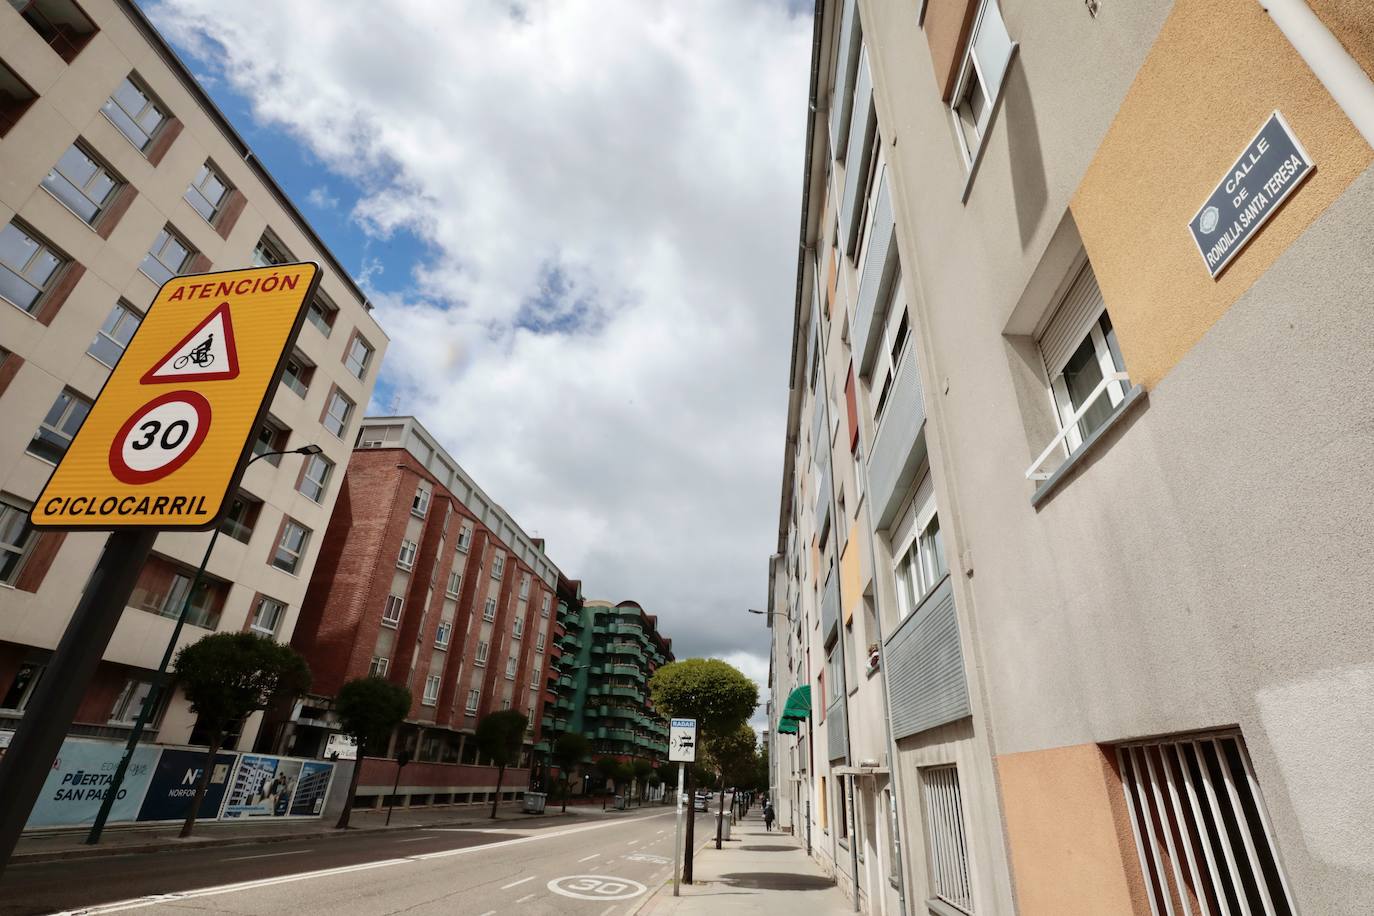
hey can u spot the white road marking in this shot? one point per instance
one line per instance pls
(489, 913)
(137, 903)
(267, 855)
(415, 839)
(587, 858)
(606, 912)
(632, 842)
(524, 898)
(596, 887)
(506, 887)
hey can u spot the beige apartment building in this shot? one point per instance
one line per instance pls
(1073, 536)
(116, 173)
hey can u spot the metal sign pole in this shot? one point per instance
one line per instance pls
(50, 713)
(677, 842)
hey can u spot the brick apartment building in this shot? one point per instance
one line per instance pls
(426, 581)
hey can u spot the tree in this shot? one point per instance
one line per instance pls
(499, 737)
(714, 693)
(568, 752)
(227, 676)
(369, 709)
(642, 768)
(732, 757)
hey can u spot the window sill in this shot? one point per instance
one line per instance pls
(938, 907)
(36, 303)
(81, 219)
(391, 624)
(977, 158)
(152, 138)
(1090, 446)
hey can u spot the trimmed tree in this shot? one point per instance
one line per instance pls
(369, 709)
(714, 693)
(569, 751)
(499, 738)
(228, 676)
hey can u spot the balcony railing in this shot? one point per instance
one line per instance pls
(1033, 472)
(899, 444)
(925, 666)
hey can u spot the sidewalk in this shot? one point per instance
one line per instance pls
(753, 872)
(124, 840)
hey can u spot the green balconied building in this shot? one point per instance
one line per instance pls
(607, 653)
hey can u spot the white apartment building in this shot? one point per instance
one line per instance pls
(116, 173)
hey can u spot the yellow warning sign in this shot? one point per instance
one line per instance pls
(168, 436)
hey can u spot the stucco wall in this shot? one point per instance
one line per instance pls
(1194, 106)
(1069, 834)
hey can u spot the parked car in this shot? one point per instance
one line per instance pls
(703, 801)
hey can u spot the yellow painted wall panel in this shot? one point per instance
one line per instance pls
(1069, 834)
(851, 581)
(1215, 73)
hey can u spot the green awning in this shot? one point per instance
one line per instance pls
(787, 727)
(798, 705)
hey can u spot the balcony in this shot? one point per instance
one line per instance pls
(900, 443)
(823, 497)
(830, 608)
(844, 75)
(857, 150)
(835, 731)
(879, 272)
(925, 667)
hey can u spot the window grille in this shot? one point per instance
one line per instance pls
(946, 840)
(1205, 842)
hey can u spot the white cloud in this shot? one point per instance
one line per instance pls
(319, 196)
(600, 326)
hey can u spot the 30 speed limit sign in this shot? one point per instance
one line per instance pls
(168, 436)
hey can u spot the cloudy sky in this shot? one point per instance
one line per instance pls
(578, 220)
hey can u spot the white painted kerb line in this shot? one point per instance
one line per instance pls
(267, 855)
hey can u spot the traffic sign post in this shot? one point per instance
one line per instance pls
(162, 449)
(682, 749)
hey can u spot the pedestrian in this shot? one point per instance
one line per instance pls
(768, 817)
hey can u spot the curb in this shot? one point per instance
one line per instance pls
(653, 895)
(93, 852)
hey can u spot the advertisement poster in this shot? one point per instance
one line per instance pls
(312, 789)
(262, 786)
(174, 785)
(79, 778)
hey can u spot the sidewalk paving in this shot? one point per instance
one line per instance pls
(754, 872)
(125, 839)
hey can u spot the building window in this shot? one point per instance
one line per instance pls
(27, 267)
(431, 690)
(465, 536)
(1201, 792)
(379, 666)
(114, 335)
(83, 185)
(510, 667)
(391, 614)
(443, 634)
(291, 547)
(481, 658)
(337, 412)
(315, 477)
(1083, 362)
(544, 607)
(539, 643)
(920, 549)
(208, 192)
(979, 82)
(455, 583)
(359, 356)
(525, 586)
(489, 609)
(269, 252)
(267, 615)
(946, 840)
(133, 110)
(270, 438)
(498, 565)
(54, 434)
(168, 257)
(60, 23)
(420, 504)
(321, 315)
(129, 704)
(21, 688)
(518, 628)
(16, 537)
(241, 516)
(406, 559)
(841, 809)
(896, 330)
(297, 374)
(165, 588)
(474, 695)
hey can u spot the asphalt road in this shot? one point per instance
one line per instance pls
(595, 867)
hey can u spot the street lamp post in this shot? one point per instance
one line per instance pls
(155, 691)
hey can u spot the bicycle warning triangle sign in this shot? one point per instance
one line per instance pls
(206, 354)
